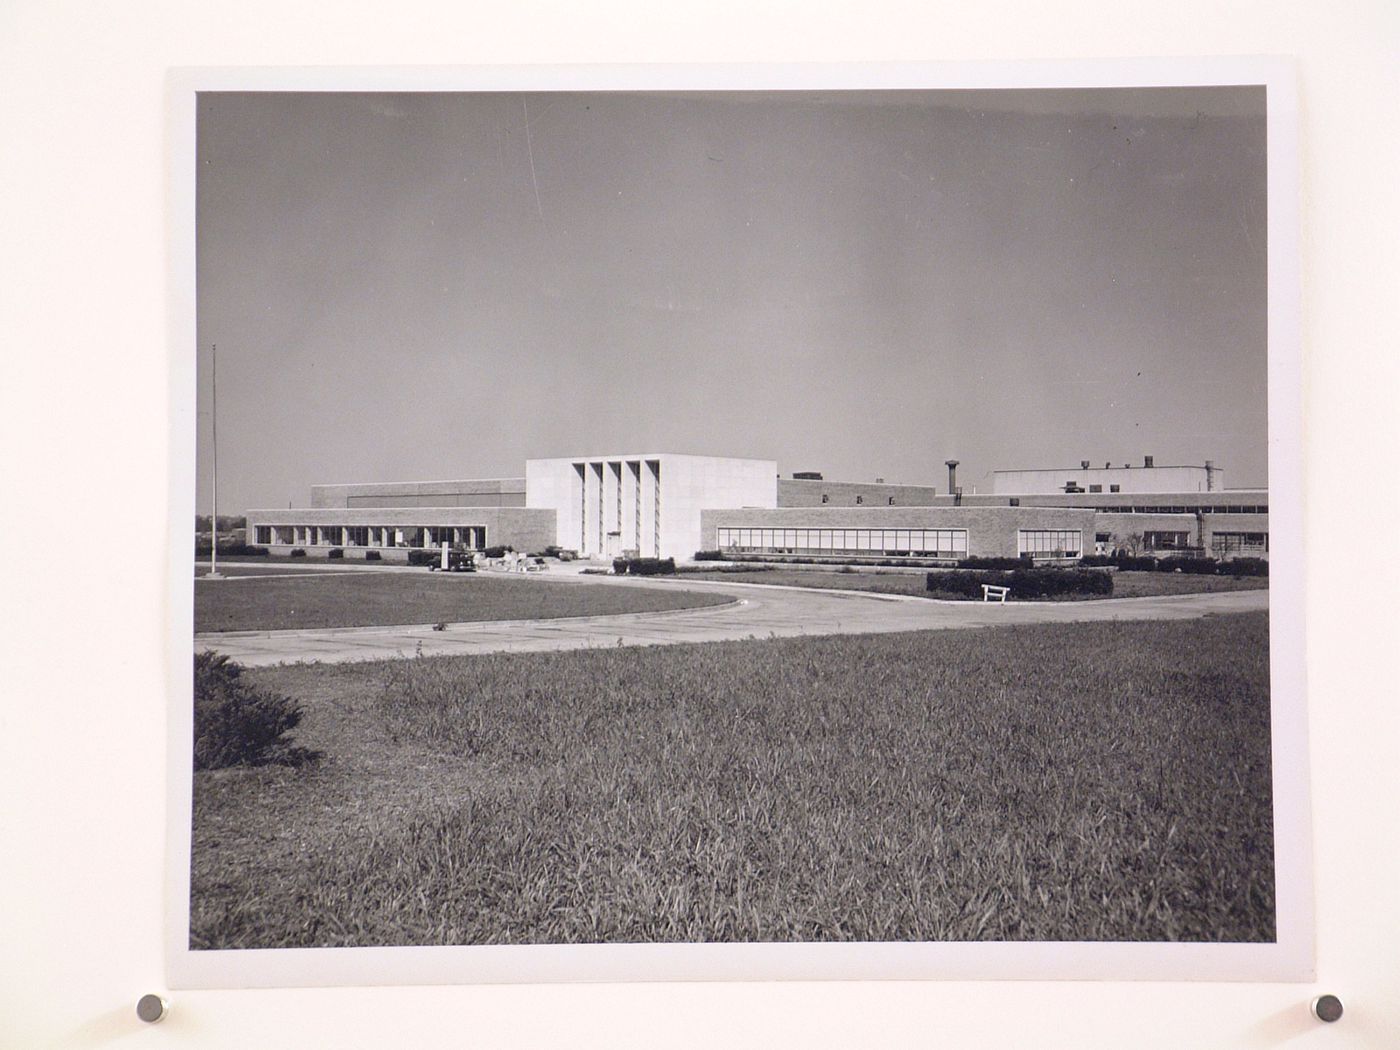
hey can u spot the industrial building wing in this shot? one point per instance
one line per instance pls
(671, 506)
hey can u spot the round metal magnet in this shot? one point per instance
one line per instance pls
(152, 1008)
(1326, 1008)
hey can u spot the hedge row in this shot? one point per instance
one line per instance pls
(1024, 583)
(1195, 566)
(203, 547)
(644, 566)
(992, 563)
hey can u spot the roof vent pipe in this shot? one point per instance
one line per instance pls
(1083, 464)
(952, 465)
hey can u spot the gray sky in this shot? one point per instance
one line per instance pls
(429, 286)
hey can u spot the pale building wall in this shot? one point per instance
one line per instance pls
(648, 502)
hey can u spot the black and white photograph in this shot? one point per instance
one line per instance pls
(734, 516)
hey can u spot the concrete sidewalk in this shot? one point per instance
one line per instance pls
(760, 611)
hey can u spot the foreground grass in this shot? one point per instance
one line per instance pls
(1125, 584)
(318, 598)
(1065, 782)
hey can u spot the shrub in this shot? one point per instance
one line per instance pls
(993, 563)
(497, 552)
(1195, 566)
(420, 556)
(335, 552)
(1098, 561)
(1129, 563)
(373, 556)
(230, 548)
(967, 584)
(1024, 583)
(297, 552)
(708, 556)
(644, 566)
(1050, 583)
(238, 724)
(1244, 567)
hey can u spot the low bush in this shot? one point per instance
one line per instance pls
(1244, 567)
(1194, 566)
(1051, 583)
(1025, 584)
(335, 552)
(297, 552)
(1098, 561)
(1130, 563)
(967, 584)
(202, 547)
(644, 566)
(993, 563)
(497, 552)
(419, 556)
(708, 556)
(373, 556)
(237, 724)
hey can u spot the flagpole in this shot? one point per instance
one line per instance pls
(213, 573)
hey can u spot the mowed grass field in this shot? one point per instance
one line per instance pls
(1062, 782)
(1125, 584)
(320, 598)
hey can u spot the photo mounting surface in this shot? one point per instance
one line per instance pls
(860, 325)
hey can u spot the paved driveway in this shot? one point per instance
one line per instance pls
(758, 611)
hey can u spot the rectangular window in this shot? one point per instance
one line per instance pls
(1246, 543)
(1115, 488)
(1095, 488)
(357, 535)
(262, 534)
(1048, 543)
(1165, 541)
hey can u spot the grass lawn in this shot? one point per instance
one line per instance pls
(1125, 584)
(1104, 781)
(264, 569)
(317, 598)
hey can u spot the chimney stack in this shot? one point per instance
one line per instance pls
(952, 465)
(1147, 461)
(1212, 476)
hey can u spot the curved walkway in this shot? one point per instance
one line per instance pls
(761, 611)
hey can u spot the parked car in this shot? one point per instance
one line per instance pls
(457, 561)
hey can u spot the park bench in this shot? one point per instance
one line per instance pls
(993, 592)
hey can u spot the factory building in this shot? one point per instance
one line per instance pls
(670, 505)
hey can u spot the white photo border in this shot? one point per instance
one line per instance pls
(1289, 958)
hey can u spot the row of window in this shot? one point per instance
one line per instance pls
(370, 535)
(890, 543)
(1048, 543)
(1247, 508)
(1239, 542)
(893, 543)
